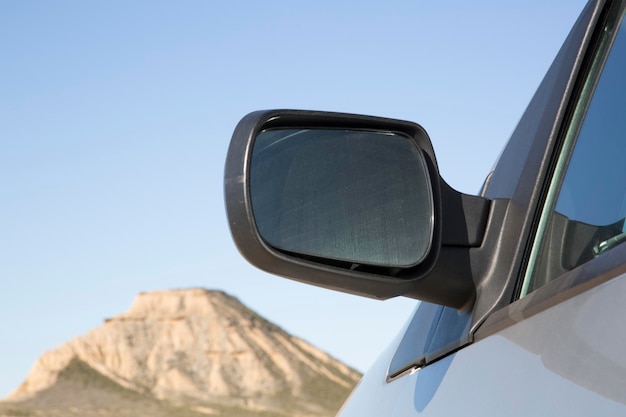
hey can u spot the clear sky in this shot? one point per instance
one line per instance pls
(115, 118)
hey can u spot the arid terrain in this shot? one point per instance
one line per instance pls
(183, 353)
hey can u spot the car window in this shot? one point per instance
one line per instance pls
(585, 208)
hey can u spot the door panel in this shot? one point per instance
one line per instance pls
(565, 361)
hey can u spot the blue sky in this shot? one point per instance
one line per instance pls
(115, 118)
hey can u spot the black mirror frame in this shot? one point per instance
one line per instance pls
(443, 277)
(373, 282)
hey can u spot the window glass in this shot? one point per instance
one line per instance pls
(586, 204)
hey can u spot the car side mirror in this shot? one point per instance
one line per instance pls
(351, 203)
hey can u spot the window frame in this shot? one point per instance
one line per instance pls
(594, 272)
(581, 103)
(571, 133)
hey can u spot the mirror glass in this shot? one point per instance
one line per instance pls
(350, 195)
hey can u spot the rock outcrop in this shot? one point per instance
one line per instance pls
(200, 350)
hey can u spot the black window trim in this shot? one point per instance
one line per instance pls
(517, 182)
(588, 275)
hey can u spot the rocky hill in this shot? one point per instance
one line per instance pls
(183, 353)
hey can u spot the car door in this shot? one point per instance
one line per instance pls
(550, 340)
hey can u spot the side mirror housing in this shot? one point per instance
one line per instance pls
(346, 202)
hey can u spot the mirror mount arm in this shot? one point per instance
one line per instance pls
(464, 217)
(463, 224)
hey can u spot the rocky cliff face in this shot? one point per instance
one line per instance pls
(200, 350)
